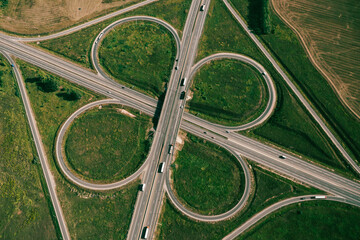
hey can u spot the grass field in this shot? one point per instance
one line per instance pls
(309, 220)
(269, 189)
(329, 31)
(140, 54)
(32, 17)
(206, 177)
(24, 209)
(77, 46)
(228, 92)
(106, 145)
(284, 44)
(89, 215)
(297, 124)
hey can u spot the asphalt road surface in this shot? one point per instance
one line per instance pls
(49, 178)
(149, 202)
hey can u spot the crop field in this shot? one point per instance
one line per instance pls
(228, 92)
(77, 46)
(89, 215)
(106, 145)
(330, 32)
(139, 54)
(32, 17)
(320, 220)
(206, 177)
(24, 202)
(269, 189)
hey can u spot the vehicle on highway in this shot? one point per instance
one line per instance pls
(108, 91)
(227, 131)
(12, 65)
(182, 95)
(282, 157)
(263, 73)
(145, 232)
(202, 7)
(171, 147)
(318, 197)
(161, 167)
(183, 82)
(142, 187)
(176, 68)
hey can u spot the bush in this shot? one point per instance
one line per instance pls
(259, 19)
(48, 84)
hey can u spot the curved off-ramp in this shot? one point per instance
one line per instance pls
(99, 37)
(268, 80)
(66, 171)
(257, 217)
(213, 218)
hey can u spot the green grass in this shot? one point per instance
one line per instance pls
(228, 92)
(140, 54)
(106, 145)
(309, 220)
(283, 44)
(223, 33)
(207, 178)
(86, 213)
(269, 189)
(77, 46)
(24, 209)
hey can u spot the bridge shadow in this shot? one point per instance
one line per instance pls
(159, 106)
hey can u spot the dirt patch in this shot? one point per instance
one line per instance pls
(330, 34)
(43, 16)
(123, 111)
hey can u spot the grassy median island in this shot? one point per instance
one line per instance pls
(140, 54)
(269, 189)
(309, 220)
(207, 178)
(77, 46)
(228, 92)
(106, 145)
(89, 215)
(25, 207)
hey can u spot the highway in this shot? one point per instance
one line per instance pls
(293, 88)
(148, 203)
(49, 178)
(276, 206)
(171, 121)
(97, 83)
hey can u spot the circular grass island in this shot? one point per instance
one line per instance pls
(107, 144)
(228, 92)
(206, 178)
(139, 54)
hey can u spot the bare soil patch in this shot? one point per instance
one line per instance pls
(330, 32)
(43, 16)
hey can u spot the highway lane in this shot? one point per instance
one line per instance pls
(293, 88)
(96, 83)
(49, 178)
(267, 211)
(268, 80)
(168, 111)
(81, 26)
